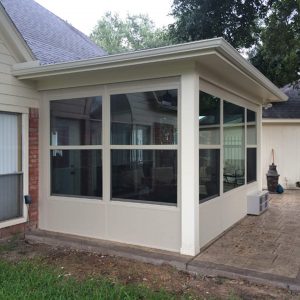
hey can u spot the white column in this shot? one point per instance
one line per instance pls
(189, 156)
(260, 172)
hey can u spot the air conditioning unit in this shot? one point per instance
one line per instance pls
(257, 203)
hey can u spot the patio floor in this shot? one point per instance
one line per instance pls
(269, 243)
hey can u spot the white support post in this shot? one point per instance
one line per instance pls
(260, 172)
(189, 155)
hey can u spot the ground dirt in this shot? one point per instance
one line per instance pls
(82, 265)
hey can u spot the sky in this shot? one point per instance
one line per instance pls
(84, 14)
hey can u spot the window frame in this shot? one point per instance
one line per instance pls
(105, 90)
(156, 85)
(251, 146)
(213, 146)
(58, 95)
(255, 106)
(24, 112)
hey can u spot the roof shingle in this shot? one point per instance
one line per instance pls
(286, 110)
(50, 39)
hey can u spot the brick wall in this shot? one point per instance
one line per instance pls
(33, 178)
(33, 166)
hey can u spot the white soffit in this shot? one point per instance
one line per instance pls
(216, 56)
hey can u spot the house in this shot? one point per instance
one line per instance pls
(281, 132)
(157, 148)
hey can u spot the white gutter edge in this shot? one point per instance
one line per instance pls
(181, 51)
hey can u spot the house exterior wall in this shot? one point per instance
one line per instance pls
(284, 138)
(21, 97)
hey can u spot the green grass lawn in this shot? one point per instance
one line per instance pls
(33, 280)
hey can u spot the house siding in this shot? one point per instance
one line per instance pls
(17, 95)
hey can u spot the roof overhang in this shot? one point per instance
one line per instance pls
(214, 56)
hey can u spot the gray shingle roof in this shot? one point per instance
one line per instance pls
(286, 110)
(50, 39)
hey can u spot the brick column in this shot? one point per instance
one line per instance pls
(33, 166)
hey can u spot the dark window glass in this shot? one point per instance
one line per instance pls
(76, 173)
(251, 165)
(147, 118)
(251, 127)
(209, 174)
(234, 146)
(209, 119)
(76, 121)
(144, 175)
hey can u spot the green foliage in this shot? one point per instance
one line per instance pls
(28, 280)
(235, 20)
(277, 55)
(136, 32)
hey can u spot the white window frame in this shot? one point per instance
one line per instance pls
(105, 91)
(73, 95)
(250, 104)
(146, 86)
(253, 146)
(24, 112)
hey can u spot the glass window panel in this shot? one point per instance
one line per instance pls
(209, 174)
(146, 118)
(209, 119)
(234, 146)
(76, 173)
(10, 143)
(76, 121)
(251, 127)
(11, 178)
(251, 165)
(144, 175)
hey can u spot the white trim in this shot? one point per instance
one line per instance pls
(190, 50)
(79, 147)
(13, 222)
(14, 109)
(280, 121)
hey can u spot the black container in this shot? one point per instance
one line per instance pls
(272, 178)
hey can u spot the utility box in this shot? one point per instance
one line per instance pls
(257, 203)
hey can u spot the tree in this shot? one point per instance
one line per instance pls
(135, 32)
(277, 55)
(235, 20)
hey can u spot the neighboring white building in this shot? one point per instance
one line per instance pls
(281, 132)
(157, 148)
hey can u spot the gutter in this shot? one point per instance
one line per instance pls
(168, 53)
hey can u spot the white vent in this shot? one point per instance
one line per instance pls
(257, 203)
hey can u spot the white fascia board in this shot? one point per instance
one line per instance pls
(234, 56)
(182, 51)
(168, 53)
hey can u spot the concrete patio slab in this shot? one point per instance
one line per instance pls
(269, 243)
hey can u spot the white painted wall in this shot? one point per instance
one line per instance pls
(284, 138)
